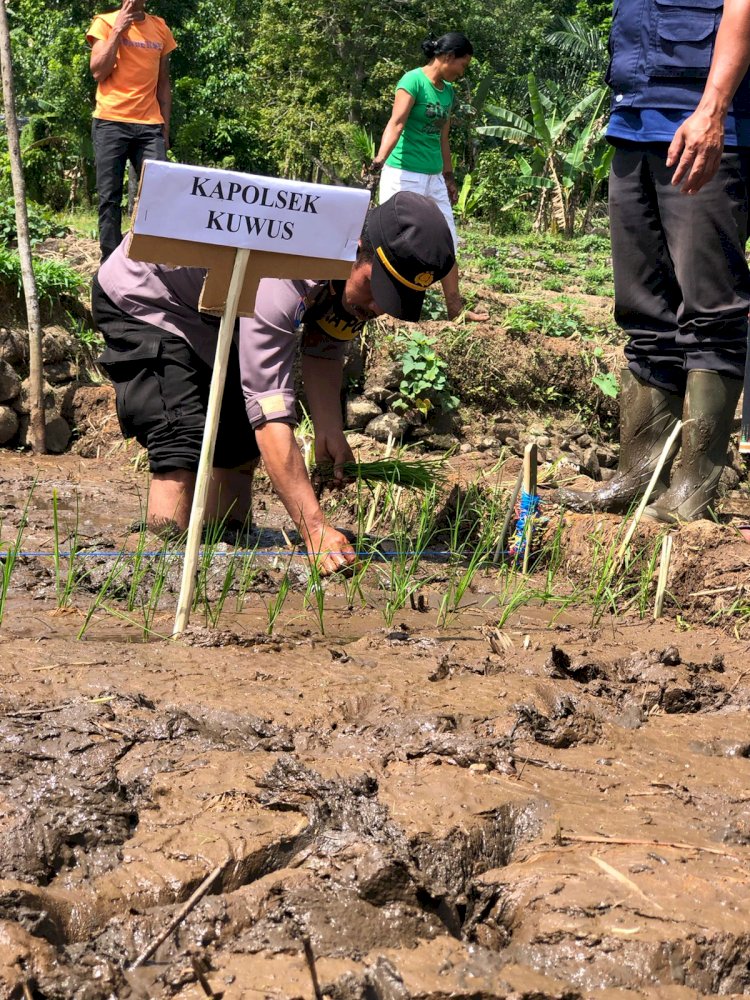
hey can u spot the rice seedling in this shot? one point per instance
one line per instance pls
(485, 509)
(353, 583)
(516, 593)
(213, 534)
(9, 555)
(646, 577)
(401, 581)
(140, 566)
(418, 474)
(315, 595)
(160, 572)
(274, 607)
(116, 571)
(64, 583)
(248, 572)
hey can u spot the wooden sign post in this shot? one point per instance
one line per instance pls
(240, 228)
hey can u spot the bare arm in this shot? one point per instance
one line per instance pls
(104, 51)
(286, 469)
(445, 146)
(323, 378)
(698, 144)
(402, 105)
(164, 95)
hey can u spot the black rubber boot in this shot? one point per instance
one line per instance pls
(647, 418)
(710, 402)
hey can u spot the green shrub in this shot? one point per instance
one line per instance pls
(425, 382)
(538, 317)
(497, 173)
(54, 280)
(42, 223)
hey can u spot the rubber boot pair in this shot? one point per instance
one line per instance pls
(708, 414)
(647, 418)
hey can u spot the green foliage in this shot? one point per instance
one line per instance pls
(42, 223)
(607, 383)
(469, 197)
(54, 279)
(539, 317)
(425, 383)
(569, 157)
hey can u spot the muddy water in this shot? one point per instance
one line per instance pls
(558, 810)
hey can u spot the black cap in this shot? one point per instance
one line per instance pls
(413, 248)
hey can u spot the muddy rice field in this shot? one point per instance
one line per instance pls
(430, 780)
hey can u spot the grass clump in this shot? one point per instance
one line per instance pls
(54, 279)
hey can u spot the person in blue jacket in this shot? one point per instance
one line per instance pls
(678, 205)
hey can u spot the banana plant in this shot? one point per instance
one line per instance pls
(568, 154)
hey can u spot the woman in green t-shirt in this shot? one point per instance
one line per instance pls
(415, 153)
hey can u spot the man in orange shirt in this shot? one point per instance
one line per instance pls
(130, 63)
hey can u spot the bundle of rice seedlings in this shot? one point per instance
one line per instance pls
(419, 474)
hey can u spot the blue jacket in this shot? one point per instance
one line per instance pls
(661, 52)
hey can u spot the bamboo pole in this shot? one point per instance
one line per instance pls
(661, 587)
(666, 451)
(500, 547)
(205, 465)
(36, 372)
(529, 488)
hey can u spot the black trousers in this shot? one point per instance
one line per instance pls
(114, 144)
(161, 392)
(682, 285)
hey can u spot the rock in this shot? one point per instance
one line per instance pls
(503, 430)
(390, 375)
(439, 442)
(10, 383)
(379, 394)
(543, 440)
(535, 430)
(575, 431)
(14, 347)
(57, 433)
(387, 425)
(730, 480)
(584, 440)
(61, 372)
(8, 424)
(22, 403)
(607, 474)
(466, 448)
(484, 444)
(590, 464)
(360, 411)
(607, 458)
(57, 345)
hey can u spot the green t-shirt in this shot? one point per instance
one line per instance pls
(418, 148)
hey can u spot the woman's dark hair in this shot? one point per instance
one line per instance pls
(452, 44)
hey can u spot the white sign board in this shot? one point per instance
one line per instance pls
(225, 208)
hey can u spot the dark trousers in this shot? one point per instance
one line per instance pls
(114, 144)
(682, 285)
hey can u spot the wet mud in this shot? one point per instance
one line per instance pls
(555, 808)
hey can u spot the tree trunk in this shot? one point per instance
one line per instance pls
(36, 372)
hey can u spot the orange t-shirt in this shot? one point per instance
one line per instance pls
(129, 92)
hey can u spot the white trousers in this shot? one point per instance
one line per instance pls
(432, 186)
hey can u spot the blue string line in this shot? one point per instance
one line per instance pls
(283, 554)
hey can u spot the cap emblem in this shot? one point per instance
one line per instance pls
(399, 277)
(425, 279)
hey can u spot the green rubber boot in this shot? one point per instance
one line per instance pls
(647, 418)
(710, 402)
